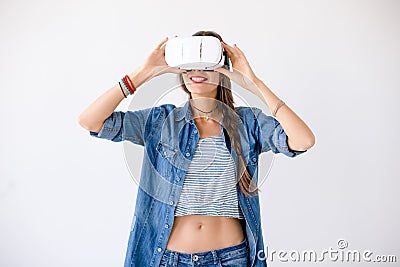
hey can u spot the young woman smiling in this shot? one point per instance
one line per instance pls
(197, 201)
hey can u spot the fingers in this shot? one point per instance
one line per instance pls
(232, 50)
(228, 49)
(162, 43)
(240, 51)
(232, 53)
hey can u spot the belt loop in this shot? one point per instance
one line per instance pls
(176, 258)
(215, 256)
(170, 258)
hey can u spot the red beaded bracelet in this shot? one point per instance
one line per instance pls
(128, 84)
(134, 88)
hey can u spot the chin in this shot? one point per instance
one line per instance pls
(201, 86)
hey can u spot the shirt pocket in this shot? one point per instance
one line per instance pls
(165, 157)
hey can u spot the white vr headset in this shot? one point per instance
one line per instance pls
(194, 52)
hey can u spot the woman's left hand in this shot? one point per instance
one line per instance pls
(242, 73)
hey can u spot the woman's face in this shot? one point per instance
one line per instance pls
(201, 83)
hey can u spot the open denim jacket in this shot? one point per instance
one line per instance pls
(169, 136)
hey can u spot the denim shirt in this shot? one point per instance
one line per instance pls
(169, 136)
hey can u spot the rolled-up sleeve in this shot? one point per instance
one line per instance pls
(272, 136)
(129, 125)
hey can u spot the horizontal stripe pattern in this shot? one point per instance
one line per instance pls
(209, 187)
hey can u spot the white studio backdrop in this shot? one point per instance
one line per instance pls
(67, 199)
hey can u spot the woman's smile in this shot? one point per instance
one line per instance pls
(201, 83)
(198, 79)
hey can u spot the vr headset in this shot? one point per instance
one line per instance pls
(195, 52)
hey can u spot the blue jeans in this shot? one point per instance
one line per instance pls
(233, 256)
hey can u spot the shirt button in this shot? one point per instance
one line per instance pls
(187, 154)
(166, 225)
(178, 179)
(254, 159)
(195, 131)
(171, 202)
(159, 249)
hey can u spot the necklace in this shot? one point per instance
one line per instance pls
(206, 117)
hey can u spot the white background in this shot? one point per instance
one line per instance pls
(67, 199)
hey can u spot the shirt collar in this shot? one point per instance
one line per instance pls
(184, 111)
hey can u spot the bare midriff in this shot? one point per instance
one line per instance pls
(197, 233)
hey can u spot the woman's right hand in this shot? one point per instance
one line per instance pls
(155, 63)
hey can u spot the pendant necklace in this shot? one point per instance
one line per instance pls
(206, 117)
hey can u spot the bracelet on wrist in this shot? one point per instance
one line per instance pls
(122, 89)
(128, 85)
(131, 83)
(278, 105)
(125, 87)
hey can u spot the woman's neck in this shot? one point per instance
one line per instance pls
(203, 107)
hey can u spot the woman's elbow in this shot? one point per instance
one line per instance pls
(302, 145)
(310, 142)
(86, 124)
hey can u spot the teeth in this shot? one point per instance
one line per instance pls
(196, 79)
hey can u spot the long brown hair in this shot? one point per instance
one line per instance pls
(224, 94)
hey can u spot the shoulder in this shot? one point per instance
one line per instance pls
(150, 116)
(248, 112)
(256, 115)
(165, 108)
(154, 111)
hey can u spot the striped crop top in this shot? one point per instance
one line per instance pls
(209, 187)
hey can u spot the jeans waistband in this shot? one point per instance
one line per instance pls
(210, 256)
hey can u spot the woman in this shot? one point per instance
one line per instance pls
(188, 212)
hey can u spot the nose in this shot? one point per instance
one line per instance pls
(194, 70)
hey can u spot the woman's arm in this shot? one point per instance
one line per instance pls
(96, 113)
(93, 117)
(300, 137)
